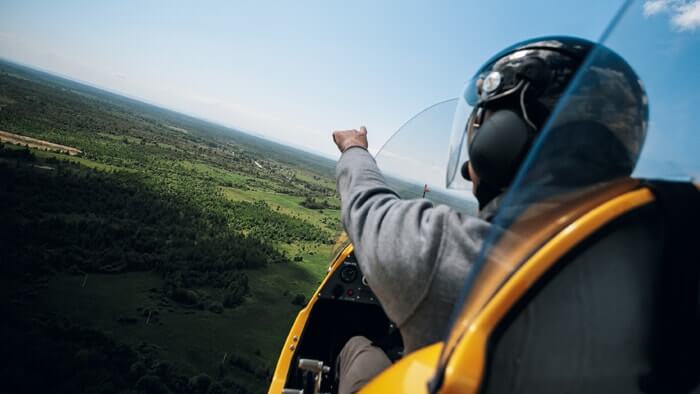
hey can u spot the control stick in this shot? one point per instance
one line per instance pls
(313, 376)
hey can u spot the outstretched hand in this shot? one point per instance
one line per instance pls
(345, 139)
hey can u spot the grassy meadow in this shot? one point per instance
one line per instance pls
(171, 255)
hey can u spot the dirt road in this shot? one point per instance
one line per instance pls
(30, 142)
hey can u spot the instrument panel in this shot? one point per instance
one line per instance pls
(348, 284)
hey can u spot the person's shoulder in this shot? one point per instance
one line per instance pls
(460, 229)
(458, 217)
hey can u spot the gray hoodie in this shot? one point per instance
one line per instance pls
(415, 255)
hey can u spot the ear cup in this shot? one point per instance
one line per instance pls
(465, 171)
(498, 147)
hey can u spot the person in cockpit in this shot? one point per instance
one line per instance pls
(417, 255)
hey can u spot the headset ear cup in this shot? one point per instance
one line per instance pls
(498, 147)
(465, 171)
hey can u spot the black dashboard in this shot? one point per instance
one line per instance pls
(348, 284)
(345, 307)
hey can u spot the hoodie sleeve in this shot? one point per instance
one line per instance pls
(399, 244)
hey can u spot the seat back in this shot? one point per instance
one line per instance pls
(586, 295)
(584, 327)
(615, 314)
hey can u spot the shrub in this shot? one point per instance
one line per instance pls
(200, 383)
(184, 296)
(232, 299)
(216, 307)
(312, 203)
(299, 299)
(216, 388)
(236, 291)
(137, 369)
(152, 385)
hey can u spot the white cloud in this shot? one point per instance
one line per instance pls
(685, 14)
(653, 7)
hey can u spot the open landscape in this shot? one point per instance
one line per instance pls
(143, 250)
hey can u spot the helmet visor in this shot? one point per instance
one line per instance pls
(471, 91)
(457, 151)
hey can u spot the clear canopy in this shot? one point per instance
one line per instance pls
(414, 159)
(661, 42)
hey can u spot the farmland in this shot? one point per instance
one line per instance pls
(143, 250)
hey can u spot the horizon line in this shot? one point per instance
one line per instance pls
(122, 94)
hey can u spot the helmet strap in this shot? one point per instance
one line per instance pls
(524, 109)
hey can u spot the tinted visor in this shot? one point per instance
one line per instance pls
(471, 92)
(457, 150)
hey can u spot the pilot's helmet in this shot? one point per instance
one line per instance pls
(520, 88)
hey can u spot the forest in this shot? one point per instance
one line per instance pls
(169, 256)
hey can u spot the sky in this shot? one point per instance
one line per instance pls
(296, 71)
(292, 71)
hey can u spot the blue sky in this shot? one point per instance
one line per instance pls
(293, 71)
(661, 40)
(296, 71)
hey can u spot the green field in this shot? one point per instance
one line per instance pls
(172, 255)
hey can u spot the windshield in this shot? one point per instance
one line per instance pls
(414, 159)
(569, 166)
